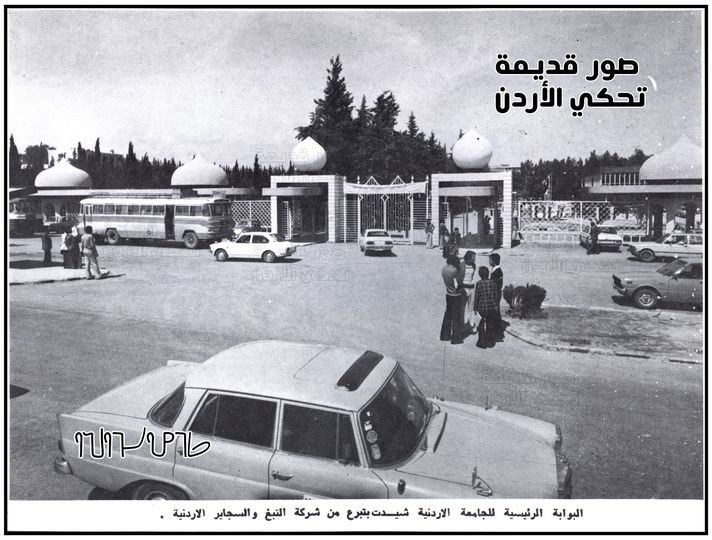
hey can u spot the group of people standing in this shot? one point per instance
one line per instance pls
(70, 248)
(472, 305)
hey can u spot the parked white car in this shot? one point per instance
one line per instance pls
(375, 240)
(253, 245)
(685, 245)
(608, 237)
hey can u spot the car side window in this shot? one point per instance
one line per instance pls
(691, 271)
(259, 239)
(244, 239)
(236, 418)
(695, 239)
(318, 433)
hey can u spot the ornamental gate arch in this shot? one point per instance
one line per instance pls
(400, 208)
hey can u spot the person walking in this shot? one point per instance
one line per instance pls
(497, 276)
(46, 247)
(64, 249)
(452, 327)
(485, 305)
(486, 226)
(593, 242)
(75, 254)
(89, 251)
(429, 228)
(443, 233)
(469, 277)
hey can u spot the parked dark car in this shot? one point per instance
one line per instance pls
(678, 281)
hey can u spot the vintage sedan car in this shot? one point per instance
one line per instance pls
(278, 420)
(676, 244)
(679, 281)
(375, 240)
(608, 237)
(253, 245)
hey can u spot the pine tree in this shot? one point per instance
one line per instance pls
(15, 165)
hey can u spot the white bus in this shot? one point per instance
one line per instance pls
(189, 220)
(23, 216)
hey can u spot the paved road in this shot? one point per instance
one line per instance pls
(633, 427)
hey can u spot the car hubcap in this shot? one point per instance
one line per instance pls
(646, 299)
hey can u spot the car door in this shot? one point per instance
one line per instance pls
(240, 248)
(260, 244)
(675, 246)
(694, 245)
(241, 432)
(686, 285)
(318, 457)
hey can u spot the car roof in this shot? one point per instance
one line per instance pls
(302, 372)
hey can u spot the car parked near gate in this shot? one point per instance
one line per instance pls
(676, 244)
(278, 420)
(375, 240)
(253, 245)
(678, 281)
(608, 237)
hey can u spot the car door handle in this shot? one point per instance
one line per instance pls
(277, 476)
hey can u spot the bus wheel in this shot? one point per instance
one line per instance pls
(112, 237)
(190, 240)
(221, 255)
(268, 257)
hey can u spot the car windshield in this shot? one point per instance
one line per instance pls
(608, 230)
(670, 268)
(393, 423)
(277, 237)
(377, 233)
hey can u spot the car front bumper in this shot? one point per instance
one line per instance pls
(62, 466)
(379, 248)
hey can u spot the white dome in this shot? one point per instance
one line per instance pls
(308, 156)
(199, 172)
(681, 161)
(63, 175)
(472, 151)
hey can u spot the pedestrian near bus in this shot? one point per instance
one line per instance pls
(593, 242)
(442, 234)
(452, 328)
(46, 247)
(89, 251)
(64, 249)
(75, 251)
(429, 228)
(469, 277)
(485, 305)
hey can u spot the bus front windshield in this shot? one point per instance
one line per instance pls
(393, 423)
(219, 209)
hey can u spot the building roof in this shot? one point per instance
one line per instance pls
(472, 151)
(683, 160)
(301, 372)
(63, 175)
(199, 172)
(308, 156)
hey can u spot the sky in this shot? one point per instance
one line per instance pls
(232, 83)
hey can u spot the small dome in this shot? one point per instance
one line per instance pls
(308, 156)
(63, 175)
(199, 172)
(683, 160)
(472, 151)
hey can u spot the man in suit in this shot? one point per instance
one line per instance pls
(486, 305)
(497, 277)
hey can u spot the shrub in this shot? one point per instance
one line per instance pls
(524, 301)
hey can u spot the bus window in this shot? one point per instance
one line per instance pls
(98, 208)
(205, 210)
(158, 210)
(122, 209)
(133, 209)
(219, 209)
(145, 209)
(196, 211)
(182, 210)
(109, 209)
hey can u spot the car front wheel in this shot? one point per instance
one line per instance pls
(155, 491)
(221, 255)
(646, 255)
(646, 298)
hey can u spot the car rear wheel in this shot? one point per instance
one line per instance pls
(268, 257)
(155, 491)
(191, 240)
(221, 255)
(646, 298)
(112, 237)
(646, 255)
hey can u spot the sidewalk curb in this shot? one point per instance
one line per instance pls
(604, 352)
(37, 282)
